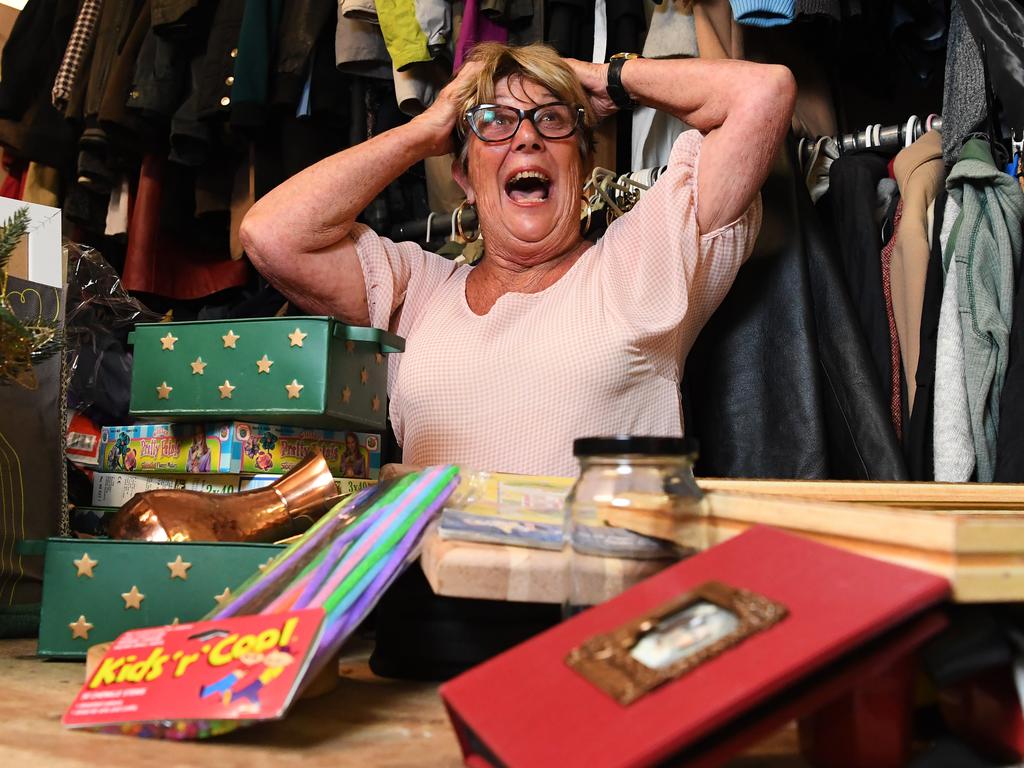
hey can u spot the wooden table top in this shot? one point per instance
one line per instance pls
(365, 721)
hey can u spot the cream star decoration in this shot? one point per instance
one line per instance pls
(346, 395)
(85, 564)
(375, 404)
(226, 389)
(364, 376)
(198, 367)
(229, 339)
(223, 597)
(80, 629)
(168, 342)
(293, 389)
(263, 566)
(163, 392)
(179, 568)
(379, 358)
(133, 598)
(296, 337)
(350, 347)
(176, 622)
(263, 364)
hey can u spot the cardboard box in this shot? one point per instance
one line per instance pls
(235, 448)
(111, 489)
(346, 485)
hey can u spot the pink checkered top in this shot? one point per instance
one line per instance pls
(599, 352)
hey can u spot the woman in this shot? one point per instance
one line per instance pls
(354, 459)
(550, 337)
(198, 459)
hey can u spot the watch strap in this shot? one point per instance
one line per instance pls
(616, 92)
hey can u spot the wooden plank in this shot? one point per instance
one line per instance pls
(980, 578)
(961, 496)
(962, 533)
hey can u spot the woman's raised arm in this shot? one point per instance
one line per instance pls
(297, 235)
(743, 109)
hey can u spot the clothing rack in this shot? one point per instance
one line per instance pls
(876, 136)
(432, 228)
(889, 136)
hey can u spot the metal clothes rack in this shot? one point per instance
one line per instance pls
(878, 136)
(889, 136)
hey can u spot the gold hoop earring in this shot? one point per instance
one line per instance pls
(586, 212)
(460, 233)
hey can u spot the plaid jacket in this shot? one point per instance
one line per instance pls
(77, 51)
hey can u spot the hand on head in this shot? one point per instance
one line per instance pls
(594, 78)
(443, 115)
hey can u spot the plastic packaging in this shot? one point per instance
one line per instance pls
(497, 508)
(99, 315)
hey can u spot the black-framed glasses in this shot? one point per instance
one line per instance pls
(498, 122)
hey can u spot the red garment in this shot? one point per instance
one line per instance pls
(163, 259)
(13, 185)
(896, 398)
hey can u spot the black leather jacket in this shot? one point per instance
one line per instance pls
(998, 24)
(780, 382)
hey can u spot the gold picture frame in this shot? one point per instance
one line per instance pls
(673, 639)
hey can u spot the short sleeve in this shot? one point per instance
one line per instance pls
(398, 276)
(659, 272)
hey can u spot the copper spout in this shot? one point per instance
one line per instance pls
(266, 514)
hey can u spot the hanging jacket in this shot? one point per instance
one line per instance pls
(302, 21)
(920, 174)
(29, 123)
(919, 442)
(780, 382)
(1010, 443)
(987, 257)
(848, 206)
(999, 23)
(963, 96)
(954, 438)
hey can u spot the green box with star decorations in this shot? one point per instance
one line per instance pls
(302, 371)
(95, 589)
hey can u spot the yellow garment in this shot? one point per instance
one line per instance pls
(402, 33)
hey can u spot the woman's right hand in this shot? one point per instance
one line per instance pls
(438, 121)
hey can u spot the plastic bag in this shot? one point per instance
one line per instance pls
(99, 315)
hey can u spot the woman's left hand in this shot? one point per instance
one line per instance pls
(594, 78)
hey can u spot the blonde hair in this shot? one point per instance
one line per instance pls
(536, 63)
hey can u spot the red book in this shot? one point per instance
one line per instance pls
(528, 707)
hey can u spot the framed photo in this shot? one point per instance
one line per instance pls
(676, 638)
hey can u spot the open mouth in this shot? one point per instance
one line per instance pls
(528, 187)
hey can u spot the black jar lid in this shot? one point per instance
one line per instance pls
(644, 446)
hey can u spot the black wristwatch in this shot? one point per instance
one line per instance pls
(616, 92)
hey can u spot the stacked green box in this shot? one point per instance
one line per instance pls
(95, 589)
(301, 371)
(259, 393)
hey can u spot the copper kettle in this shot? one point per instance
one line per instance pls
(265, 514)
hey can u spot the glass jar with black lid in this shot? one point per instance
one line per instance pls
(629, 484)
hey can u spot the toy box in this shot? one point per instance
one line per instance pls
(234, 448)
(113, 489)
(346, 485)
